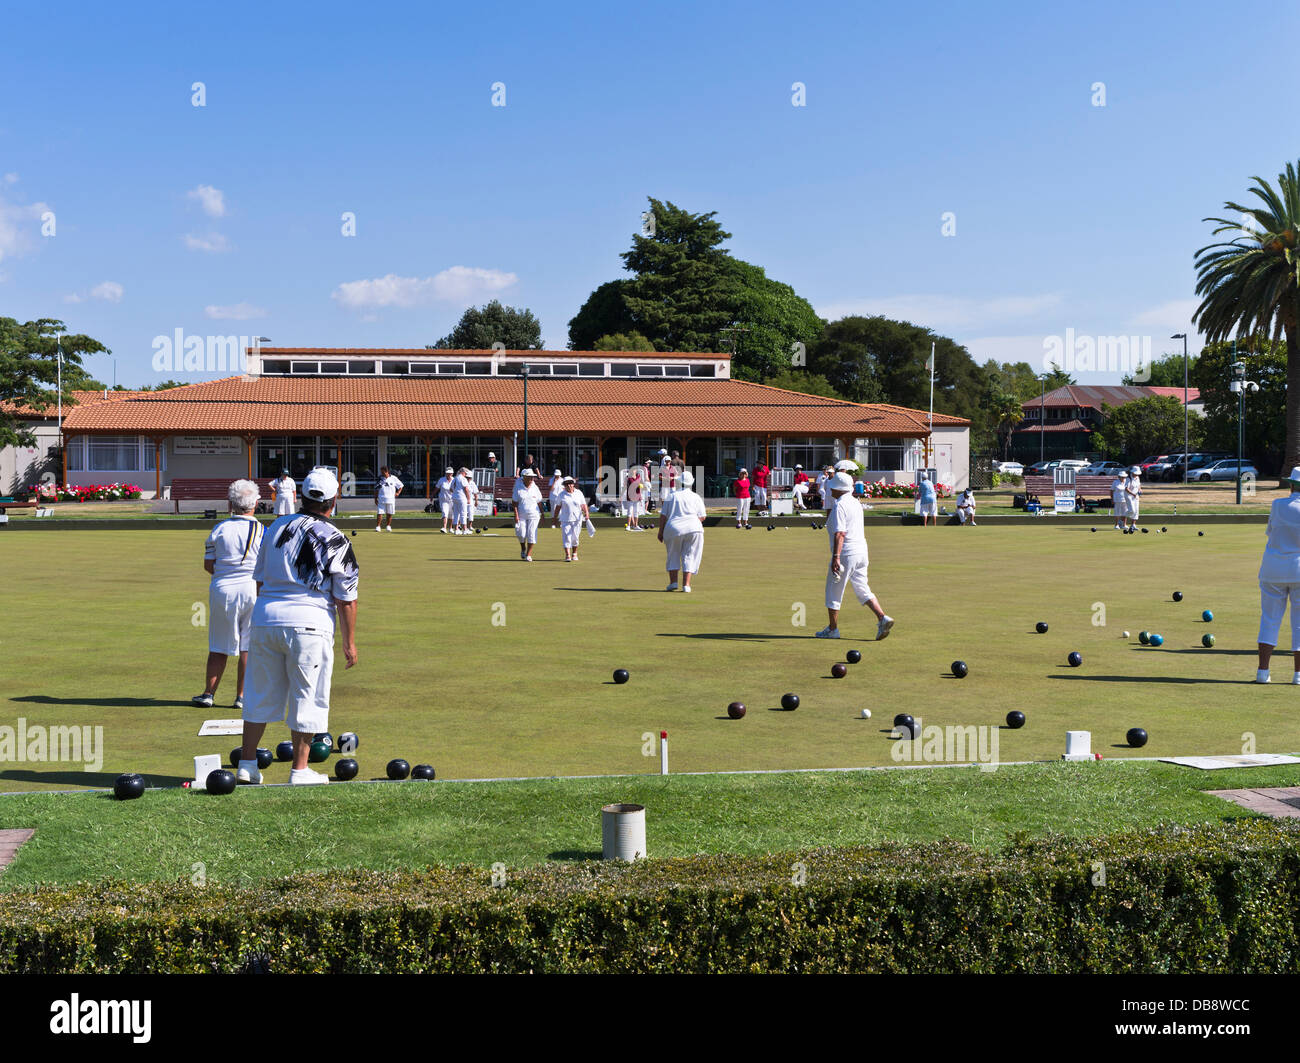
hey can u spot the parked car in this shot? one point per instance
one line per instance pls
(1150, 466)
(1041, 468)
(1010, 468)
(1102, 468)
(1195, 461)
(1073, 463)
(1225, 470)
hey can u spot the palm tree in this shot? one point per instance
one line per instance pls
(1252, 282)
(1007, 413)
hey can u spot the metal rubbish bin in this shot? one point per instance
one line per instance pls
(622, 832)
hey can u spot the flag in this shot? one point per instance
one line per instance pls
(929, 362)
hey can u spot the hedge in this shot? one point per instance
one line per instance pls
(1217, 898)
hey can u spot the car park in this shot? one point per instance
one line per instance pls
(1010, 468)
(1225, 470)
(1103, 468)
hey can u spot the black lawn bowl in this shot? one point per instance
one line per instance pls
(1207, 641)
(348, 742)
(236, 755)
(1015, 719)
(959, 669)
(620, 675)
(319, 751)
(839, 671)
(423, 771)
(1137, 737)
(789, 702)
(1075, 659)
(1145, 530)
(736, 710)
(1144, 637)
(345, 769)
(1178, 596)
(853, 656)
(284, 751)
(903, 719)
(128, 787)
(1041, 627)
(264, 757)
(907, 730)
(398, 769)
(1200, 534)
(221, 781)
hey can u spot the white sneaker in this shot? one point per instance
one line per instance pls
(1261, 675)
(884, 627)
(378, 528)
(1295, 680)
(671, 587)
(442, 531)
(239, 704)
(686, 590)
(527, 558)
(827, 633)
(307, 777)
(248, 772)
(388, 528)
(202, 700)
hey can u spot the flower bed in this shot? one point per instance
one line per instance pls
(882, 489)
(85, 492)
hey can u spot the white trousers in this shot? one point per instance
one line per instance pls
(526, 529)
(570, 533)
(853, 573)
(684, 550)
(760, 497)
(742, 510)
(1273, 598)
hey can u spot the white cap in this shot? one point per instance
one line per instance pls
(1122, 475)
(1294, 476)
(491, 455)
(569, 480)
(663, 452)
(744, 470)
(846, 465)
(321, 485)
(449, 470)
(688, 480)
(527, 472)
(841, 481)
(1134, 471)
(798, 466)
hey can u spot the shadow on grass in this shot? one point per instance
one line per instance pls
(575, 854)
(1149, 679)
(125, 703)
(1208, 651)
(88, 780)
(737, 636)
(611, 590)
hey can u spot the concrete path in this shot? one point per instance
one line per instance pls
(10, 842)
(1280, 802)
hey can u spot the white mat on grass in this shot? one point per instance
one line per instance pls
(221, 727)
(1231, 760)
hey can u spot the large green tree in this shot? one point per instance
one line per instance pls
(686, 293)
(1166, 372)
(479, 328)
(1251, 283)
(623, 341)
(1152, 425)
(1265, 422)
(29, 370)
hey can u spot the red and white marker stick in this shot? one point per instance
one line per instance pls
(663, 752)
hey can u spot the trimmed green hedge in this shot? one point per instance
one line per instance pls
(1176, 899)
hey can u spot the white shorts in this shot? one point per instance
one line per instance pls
(570, 533)
(853, 573)
(1273, 598)
(684, 551)
(385, 507)
(930, 509)
(283, 506)
(526, 529)
(634, 509)
(446, 506)
(760, 496)
(459, 511)
(230, 615)
(288, 678)
(1131, 510)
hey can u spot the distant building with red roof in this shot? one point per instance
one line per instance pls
(1061, 423)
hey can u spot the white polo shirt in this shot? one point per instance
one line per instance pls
(846, 516)
(233, 547)
(569, 506)
(528, 497)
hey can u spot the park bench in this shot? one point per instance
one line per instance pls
(210, 490)
(1090, 492)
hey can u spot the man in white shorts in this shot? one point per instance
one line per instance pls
(285, 493)
(966, 508)
(306, 574)
(527, 504)
(848, 565)
(229, 555)
(447, 497)
(570, 511)
(387, 491)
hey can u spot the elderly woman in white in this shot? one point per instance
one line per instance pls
(569, 509)
(1119, 498)
(1279, 578)
(681, 530)
(1133, 496)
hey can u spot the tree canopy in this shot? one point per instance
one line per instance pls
(1147, 426)
(1265, 433)
(29, 370)
(478, 329)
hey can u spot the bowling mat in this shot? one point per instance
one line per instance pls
(221, 727)
(1233, 760)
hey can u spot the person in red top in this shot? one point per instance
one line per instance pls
(742, 499)
(761, 473)
(800, 487)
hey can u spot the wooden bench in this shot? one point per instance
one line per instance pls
(1090, 492)
(196, 490)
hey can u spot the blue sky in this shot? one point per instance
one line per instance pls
(226, 218)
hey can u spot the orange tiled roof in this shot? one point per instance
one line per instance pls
(426, 352)
(492, 405)
(79, 398)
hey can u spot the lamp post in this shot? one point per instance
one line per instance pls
(1183, 336)
(1042, 417)
(523, 372)
(1240, 385)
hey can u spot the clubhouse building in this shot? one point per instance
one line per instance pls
(419, 411)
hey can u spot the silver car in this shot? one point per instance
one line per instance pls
(1225, 470)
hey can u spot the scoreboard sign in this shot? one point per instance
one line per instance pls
(1063, 482)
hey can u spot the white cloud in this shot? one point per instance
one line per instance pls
(109, 291)
(946, 313)
(212, 242)
(1029, 349)
(1175, 315)
(19, 226)
(73, 298)
(238, 312)
(212, 200)
(11, 178)
(458, 284)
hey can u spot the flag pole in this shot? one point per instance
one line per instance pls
(930, 437)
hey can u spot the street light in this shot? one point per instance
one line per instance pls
(523, 372)
(1183, 336)
(1042, 416)
(1240, 385)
